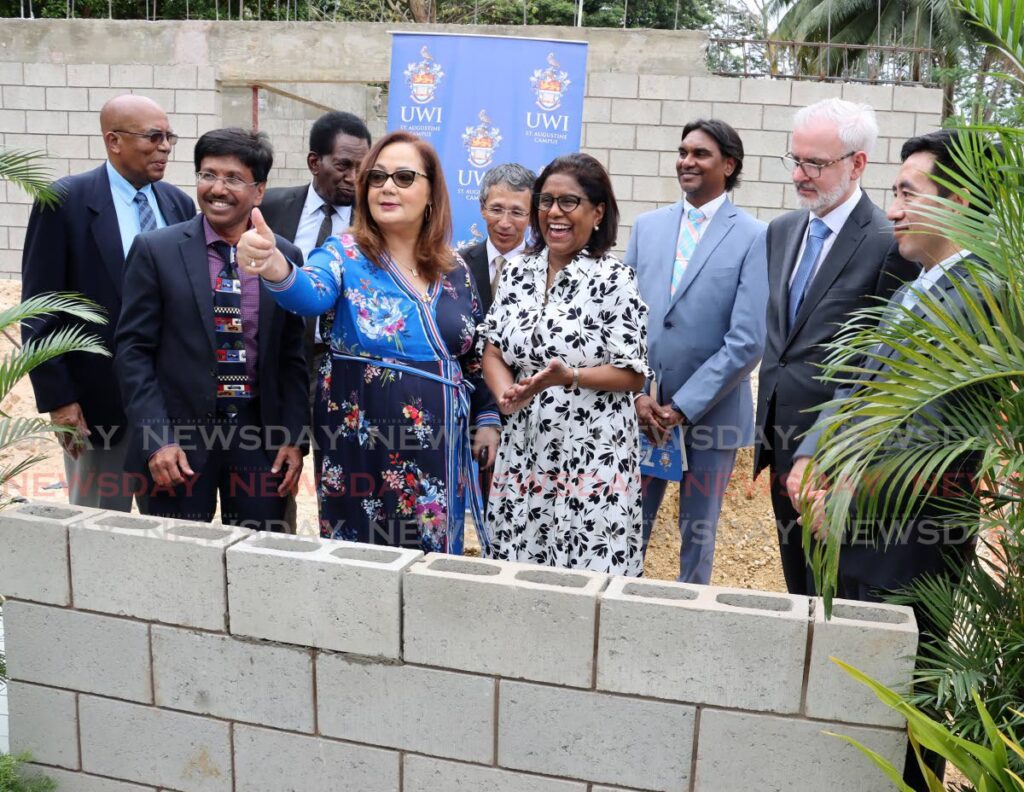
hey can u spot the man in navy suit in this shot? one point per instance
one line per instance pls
(701, 268)
(211, 369)
(80, 246)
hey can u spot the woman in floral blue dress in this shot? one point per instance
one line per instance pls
(396, 404)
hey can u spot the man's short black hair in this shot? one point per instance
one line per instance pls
(941, 143)
(328, 126)
(251, 147)
(728, 140)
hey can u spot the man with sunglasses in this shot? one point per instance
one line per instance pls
(80, 245)
(833, 256)
(505, 205)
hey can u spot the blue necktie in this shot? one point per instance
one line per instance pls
(147, 222)
(816, 236)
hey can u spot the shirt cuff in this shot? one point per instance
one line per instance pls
(488, 418)
(282, 285)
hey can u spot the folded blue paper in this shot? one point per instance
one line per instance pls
(667, 461)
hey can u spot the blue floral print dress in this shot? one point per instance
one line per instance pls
(396, 399)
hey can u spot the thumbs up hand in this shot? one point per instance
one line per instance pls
(257, 251)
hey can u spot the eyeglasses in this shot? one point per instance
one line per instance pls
(154, 136)
(403, 177)
(812, 169)
(498, 212)
(544, 202)
(233, 183)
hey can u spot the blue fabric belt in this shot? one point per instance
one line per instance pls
(462, 390)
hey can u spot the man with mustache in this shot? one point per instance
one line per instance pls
(80, 245)
(826, 260)
(701, 270)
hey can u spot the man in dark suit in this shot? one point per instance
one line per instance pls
(932, 539)
(309, 213)
(211, 369)
(832, 257)
(505, 193)
(80, 246)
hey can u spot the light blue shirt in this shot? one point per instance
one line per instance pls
(928, 278)
(123, 193)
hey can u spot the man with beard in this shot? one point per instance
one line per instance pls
(80, 246)
(830, 258)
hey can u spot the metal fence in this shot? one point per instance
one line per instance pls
(823, 61)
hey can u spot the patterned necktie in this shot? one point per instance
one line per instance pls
(234, 386)
(816, 236)
(147, 222)
(327, 226)
(499, 265)
(689, 236)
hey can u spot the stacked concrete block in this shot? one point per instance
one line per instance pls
(441, 713)
(595, 736)
(34, 551)
(877, 639)
(508, 620)
(703, 644)
(743, 750)
(308, 664)
(327, 594)
(162, 570)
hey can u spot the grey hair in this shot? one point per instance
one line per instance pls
(855, 122)
(514, 176)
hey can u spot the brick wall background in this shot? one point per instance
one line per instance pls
(149, 654)
(641, 87)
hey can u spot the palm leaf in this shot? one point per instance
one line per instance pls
(23, 168)
(39, 350)
(53, 303)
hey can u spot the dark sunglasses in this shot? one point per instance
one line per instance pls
(544, 202)
(154, 136)
(403, 177)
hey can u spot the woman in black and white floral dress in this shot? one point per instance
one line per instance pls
(565, 353)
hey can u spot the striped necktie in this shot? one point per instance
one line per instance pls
(147, 222)
(689, 236)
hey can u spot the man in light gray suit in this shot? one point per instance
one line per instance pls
(826, 260)
(701, 268)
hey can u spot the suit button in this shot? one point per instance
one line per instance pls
(782, 362)
(668, 324)
(209, 415)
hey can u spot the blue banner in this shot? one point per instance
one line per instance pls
(485, 100)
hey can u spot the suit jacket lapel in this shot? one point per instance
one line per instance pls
(197, 267)
(293, 212)
(168, 208)
(719, 227)
(851, 235)
(794, 237)
(106, 232)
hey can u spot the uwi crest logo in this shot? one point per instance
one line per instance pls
(475, 236)
(423, 77)
(549, 84)
(481, 141)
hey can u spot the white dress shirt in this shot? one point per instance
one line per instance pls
(493, 253)
(929, 278)
(835, 220)
(709, 209)
(312, 217)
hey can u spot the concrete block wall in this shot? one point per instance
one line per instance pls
(308, 664)
(642, 86)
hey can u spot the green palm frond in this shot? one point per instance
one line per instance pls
(24, 169)
(1004, 19)
(39, 350)
(53, 303)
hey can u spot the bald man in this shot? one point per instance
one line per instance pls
(81, 246)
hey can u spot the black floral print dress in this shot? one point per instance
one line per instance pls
(566, 488)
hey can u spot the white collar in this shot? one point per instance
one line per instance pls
(314, 202)
(493, 252)
(837, 218)
(709, 209)
(930, 277)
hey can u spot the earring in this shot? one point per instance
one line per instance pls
(427, 211)
(597, 228)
